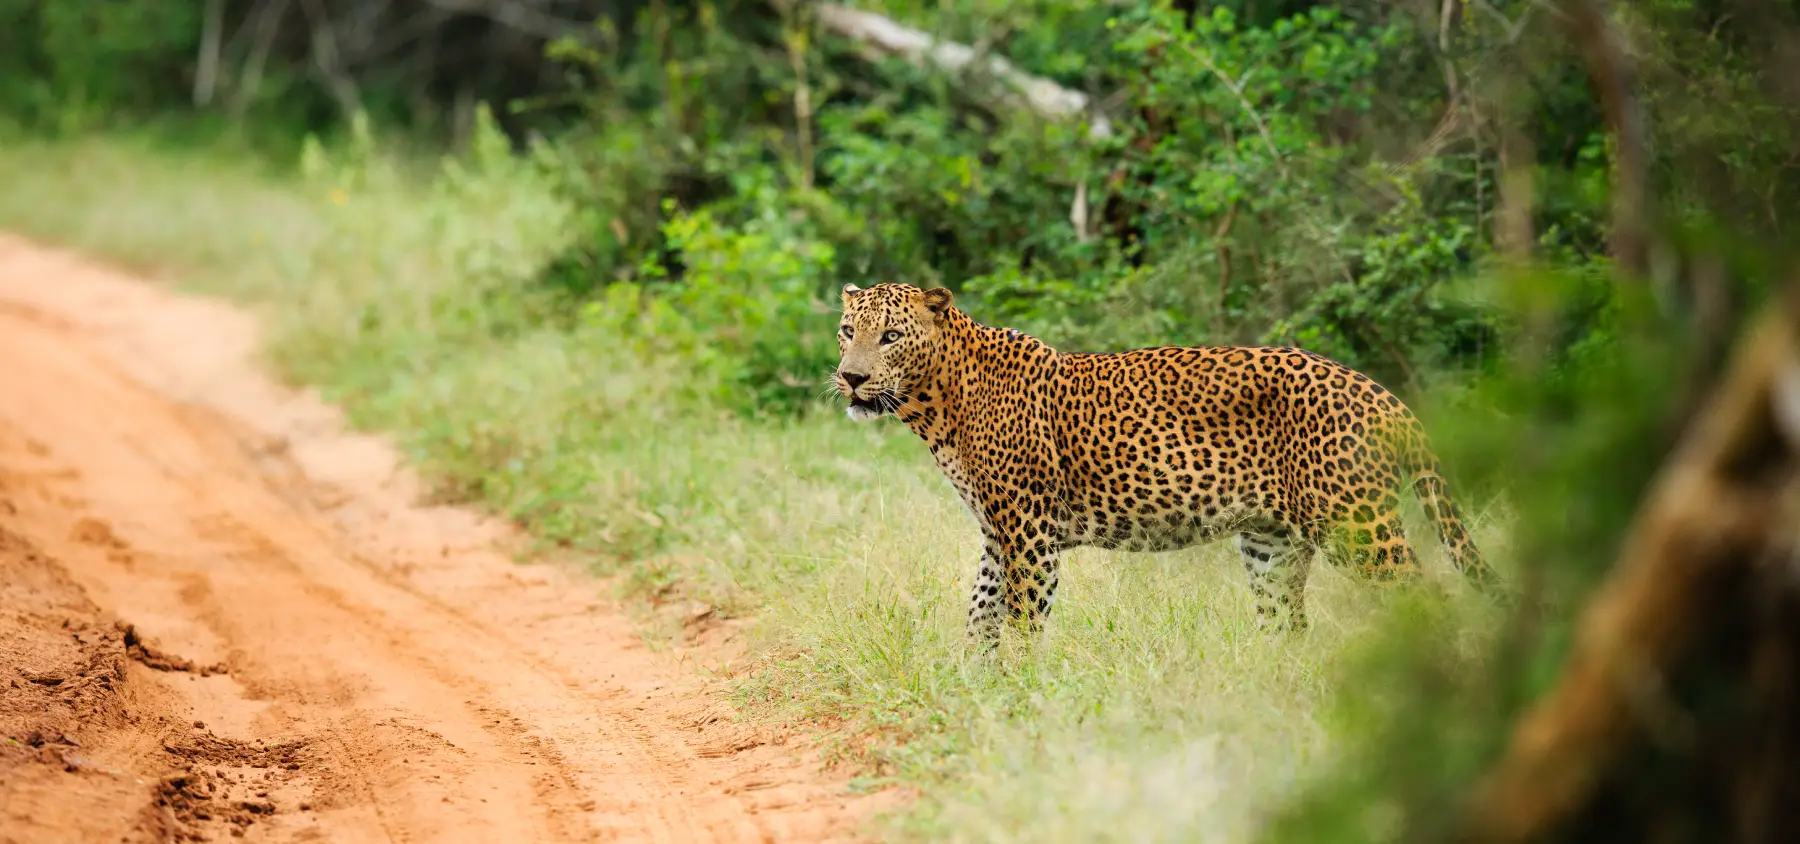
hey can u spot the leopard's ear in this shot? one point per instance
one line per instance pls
(937, 300)
(849, 291)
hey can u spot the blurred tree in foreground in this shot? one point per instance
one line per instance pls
(1648, 692)
(1677, 717)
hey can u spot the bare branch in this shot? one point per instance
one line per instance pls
(325, 59)
(1609, 66)
(1441, 136)
(884, 37)
(267, 25)
(881, 37)
(803, 111)
(1512, 223)
(1447, 13)
(206, 72)
(1236, 87)
(1078, 212)
(1462, 112)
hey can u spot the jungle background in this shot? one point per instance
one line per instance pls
(581, 257)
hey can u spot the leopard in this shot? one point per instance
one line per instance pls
(1149, 450)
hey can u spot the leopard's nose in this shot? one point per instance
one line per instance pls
(854, 379)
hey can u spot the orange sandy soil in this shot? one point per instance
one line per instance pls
(223, 616)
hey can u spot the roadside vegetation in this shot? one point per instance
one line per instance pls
(603, 306)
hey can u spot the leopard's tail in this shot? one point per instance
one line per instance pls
(1434, 497)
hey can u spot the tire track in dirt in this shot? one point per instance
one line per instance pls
(311, 655)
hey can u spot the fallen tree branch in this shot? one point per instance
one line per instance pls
(882, 37)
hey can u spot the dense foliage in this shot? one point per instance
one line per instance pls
(1242, 199)
(1314, 173)
(1270, 178)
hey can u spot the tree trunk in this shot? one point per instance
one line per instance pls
(1677, 717)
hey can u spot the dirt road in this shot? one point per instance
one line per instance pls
(222, 616)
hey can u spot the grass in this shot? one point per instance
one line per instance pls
(1151, 712)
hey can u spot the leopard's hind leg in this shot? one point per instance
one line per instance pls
(1277, 559)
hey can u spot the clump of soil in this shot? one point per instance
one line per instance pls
(62, 661)
(66, 709)
(151, 657)
(222, 784)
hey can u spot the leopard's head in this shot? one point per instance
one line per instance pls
(888, 337)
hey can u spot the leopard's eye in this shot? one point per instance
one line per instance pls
(889, 337)
(847, 331)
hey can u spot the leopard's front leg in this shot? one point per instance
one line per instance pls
(1007, 452)
(1018, 577)
(986, 599)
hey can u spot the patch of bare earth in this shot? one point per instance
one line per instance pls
(222, 616)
